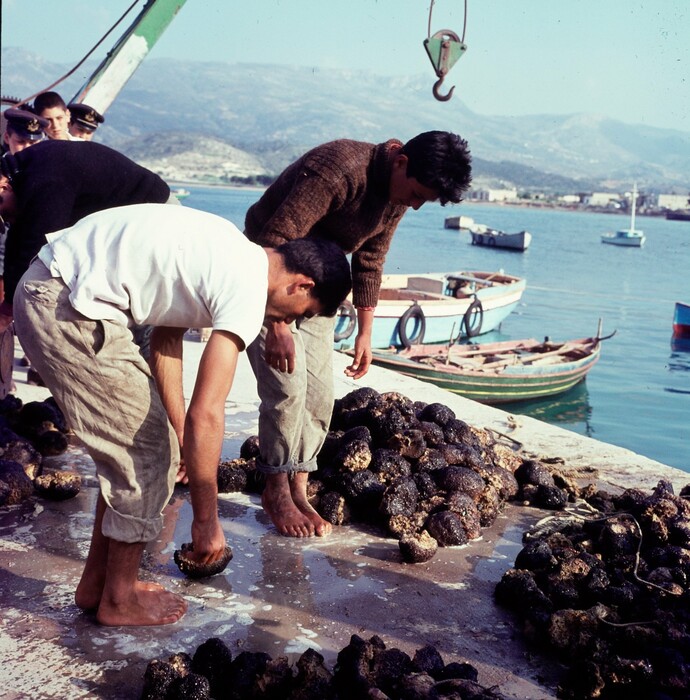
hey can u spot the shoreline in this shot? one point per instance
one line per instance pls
(551, 206)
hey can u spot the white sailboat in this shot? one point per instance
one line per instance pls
(627, 236)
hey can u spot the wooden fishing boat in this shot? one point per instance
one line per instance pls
(681, 321)
(434, 308)
(496, 373)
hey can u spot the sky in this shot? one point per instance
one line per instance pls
(625, 59)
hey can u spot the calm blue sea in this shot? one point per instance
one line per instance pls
(638, 395)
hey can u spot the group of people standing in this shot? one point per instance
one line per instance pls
(49, 118)
(94, 252)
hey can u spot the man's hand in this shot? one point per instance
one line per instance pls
(362, 351)
(5, 322)
(208, 541)
(362, 357)
(181, 477)
(280, 348)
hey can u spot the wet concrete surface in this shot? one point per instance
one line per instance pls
(279, 595)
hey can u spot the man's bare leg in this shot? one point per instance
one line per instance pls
(298, 491)
(128, 601)
(281, 509)
(90, 586)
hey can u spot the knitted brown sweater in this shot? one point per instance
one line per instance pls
(338, 191)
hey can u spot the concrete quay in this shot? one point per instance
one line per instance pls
(281, 595)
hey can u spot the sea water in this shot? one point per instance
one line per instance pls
(638, 395)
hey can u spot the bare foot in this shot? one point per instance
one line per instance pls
(89, 591)
(285, 515)
(298, 491)
(88, 595)
(144, 606)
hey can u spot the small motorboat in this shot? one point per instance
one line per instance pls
(493, 238)
(490, 237)
(434, 308)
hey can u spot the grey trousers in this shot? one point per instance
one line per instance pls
(105, 388)
(295, 409)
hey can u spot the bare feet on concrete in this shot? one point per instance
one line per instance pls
(143, 605)
(298, 491)
(285, 502)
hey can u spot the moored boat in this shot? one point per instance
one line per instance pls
(435, 308)
(496, 373)
(681, 321)
(499, 239)
(459, 222)
(628, 237)
(624, 237)
(180, 193)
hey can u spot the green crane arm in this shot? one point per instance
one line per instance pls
(104, 84)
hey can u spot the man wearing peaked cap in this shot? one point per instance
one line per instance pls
(24, 128)
(84, 120)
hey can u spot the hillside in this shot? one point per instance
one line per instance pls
(224, 120)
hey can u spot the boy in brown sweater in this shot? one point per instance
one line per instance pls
(354, 194)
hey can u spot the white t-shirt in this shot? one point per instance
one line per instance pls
(153, 264)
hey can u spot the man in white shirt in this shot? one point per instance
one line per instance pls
(172, 268)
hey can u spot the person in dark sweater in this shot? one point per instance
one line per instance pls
(52, 185)
(354, 194)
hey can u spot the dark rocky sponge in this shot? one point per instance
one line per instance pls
(192, 569)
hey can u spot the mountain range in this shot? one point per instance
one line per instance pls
(216, 121)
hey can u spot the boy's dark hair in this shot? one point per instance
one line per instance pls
(325, 263)
(48, 100)
(440, 161)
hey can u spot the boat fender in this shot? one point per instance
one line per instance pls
(346, 320)
(473, 319)
(415, 314)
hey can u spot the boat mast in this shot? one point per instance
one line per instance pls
(633, 207)
(101, 89)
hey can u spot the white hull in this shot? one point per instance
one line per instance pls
(627, 237)
(631, 239)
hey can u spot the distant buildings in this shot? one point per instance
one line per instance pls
(491, 195)
(602, 199)
(647, 202)
(673, 202)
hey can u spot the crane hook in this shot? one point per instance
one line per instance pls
(443, 48)
(438, 95)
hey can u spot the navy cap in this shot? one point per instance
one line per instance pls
(26, 124)
(84, 116)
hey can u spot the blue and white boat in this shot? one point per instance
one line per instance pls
(630, 237)
(435, 308)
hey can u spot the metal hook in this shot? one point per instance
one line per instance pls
(444, 49)
(437, 94)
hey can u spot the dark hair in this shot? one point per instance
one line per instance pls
(325, 263)
(48, 100)
(440, 161)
